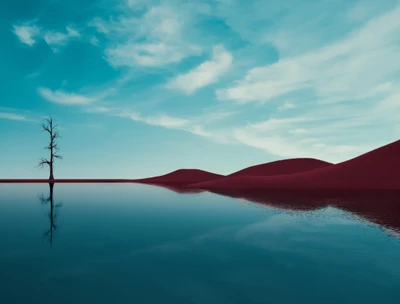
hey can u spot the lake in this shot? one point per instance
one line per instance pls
(129, 243)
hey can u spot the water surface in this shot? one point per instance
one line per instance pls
(124, 243)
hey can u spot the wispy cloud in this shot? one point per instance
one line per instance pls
(346, 95)
(55, 39)
(331, 89)
(159, 120)
(29, 33)
(66, 98)
(94, 40)
(305, 137)
(286, 105)
(26, 33)
(349, 69)
(205, 74)
(151, 40)
(11, 116)
(98, 110)
(196, 125)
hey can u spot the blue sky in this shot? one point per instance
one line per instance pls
(143, 87)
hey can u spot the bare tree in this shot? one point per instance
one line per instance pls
(53, 148)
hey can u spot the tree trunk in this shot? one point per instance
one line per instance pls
(51, 152)
(51, 172)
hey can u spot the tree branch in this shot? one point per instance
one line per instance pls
(53, 146)
(43, 162)
(46, 128)
(55, 135)
(57, 156)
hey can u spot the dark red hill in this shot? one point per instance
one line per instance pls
(280, 167)
(180, 177)
(377, 169)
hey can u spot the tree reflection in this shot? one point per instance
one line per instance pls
(52, 213)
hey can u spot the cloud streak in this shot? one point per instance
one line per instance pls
(27, 34)
(346, 95)
(151, 40)
(11, 116)
(158, 120)
(349, 69)
(205, 74)
(65, 98)
(332, 96)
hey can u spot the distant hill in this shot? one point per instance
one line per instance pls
(377, 169)
(181, 177)
(286, 166)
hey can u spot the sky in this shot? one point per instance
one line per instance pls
(143, 87)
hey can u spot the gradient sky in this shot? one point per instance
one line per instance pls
(143, 87)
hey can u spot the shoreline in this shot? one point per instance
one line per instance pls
(65, 180)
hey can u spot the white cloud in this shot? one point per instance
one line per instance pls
(345, 70)
(154, 39)
(346, 94)
(11, 116)
(285, 147)
(137, 4)
(98, 110)
(56, 39)
(358, 71)
(72, 32)
(26, 33)
(94, 40)
(194, 125)
(29, 34)
(286, 105)
(159, 120)
(315, 136)
(147, 54)
(205, 74)
(298, 131)
(166, 121)
(64, 97)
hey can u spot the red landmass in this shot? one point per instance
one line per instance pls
(377, 169)
(367, 185)
(65, 180)
(285, 166)
(180, 177)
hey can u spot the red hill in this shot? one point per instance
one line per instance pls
(280, 167)
(377, 169)
(181, 177)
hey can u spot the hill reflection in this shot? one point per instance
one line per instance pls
(381, 207)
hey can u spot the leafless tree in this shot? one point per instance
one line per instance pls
(53, 148)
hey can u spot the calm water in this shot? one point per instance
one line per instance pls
(143, 244)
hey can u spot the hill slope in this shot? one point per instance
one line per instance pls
(286, 166)
(181, 177)
(377, 169)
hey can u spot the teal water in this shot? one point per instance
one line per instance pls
(123, 243)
